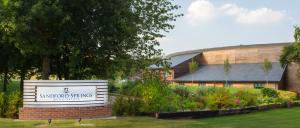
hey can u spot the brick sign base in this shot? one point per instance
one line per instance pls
(63, 113)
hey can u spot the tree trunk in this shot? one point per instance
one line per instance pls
(267, 82)
(22, 76)
(45, 68)
(5, 80)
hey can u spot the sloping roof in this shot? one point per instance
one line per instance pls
(229, 47)
(175, 60)
(238, 73)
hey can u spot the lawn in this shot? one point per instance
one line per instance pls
(279, 118)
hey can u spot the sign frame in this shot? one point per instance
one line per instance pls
(31, 87)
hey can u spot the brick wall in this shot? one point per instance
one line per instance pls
(63, 113)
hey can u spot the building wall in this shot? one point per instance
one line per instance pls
(291, 81)
(251, 54)
(242, 54)
(235, 84)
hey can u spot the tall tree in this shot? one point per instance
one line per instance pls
(80, 39)
(193, 65)
(290, 53)
(8, 51)
(266, 67)
(227, 68)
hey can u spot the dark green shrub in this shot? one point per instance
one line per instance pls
(149, 95)
(119, 106)
(126, 106)
(221, 99)
(2, 104)
(269, 92)
(183, 94)
(112, 88)
(245, 98)
(155, 95)
(14, 101)
(129, 89)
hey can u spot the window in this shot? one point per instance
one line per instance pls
(166, 75)
(259, 85)
(202, 84)
(227, 85)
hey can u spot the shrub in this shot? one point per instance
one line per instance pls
(287, 96)
(221, 99)
(268, 100)
(269, 92)
(149, 95)
(126, 106)
(183, 94)
(112, 88)
(156, 95)
(2, 104)
(245, 98)
(14, 101)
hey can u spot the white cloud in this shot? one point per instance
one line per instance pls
(200, 11)
(257, 16)
(232, 9)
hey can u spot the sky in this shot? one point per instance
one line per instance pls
(218, 23)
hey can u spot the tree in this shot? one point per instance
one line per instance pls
(81, 39)
(290, 53)
(193, 65)
(227, 67)
(266, 67)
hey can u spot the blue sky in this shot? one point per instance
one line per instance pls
(218, 23)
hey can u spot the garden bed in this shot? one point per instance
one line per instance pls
(215, 113)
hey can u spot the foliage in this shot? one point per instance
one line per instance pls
(269, 92)
(266, 67)
(193, 65)
(187, 100)
(155, 95)
(227, 67)
(148, 95)
(268, 100)
(14, 101)
(245, 98)
(290, 53)
(126, 106)
(221, 99)
(9, 104)
(287, 96)
(81, 39)
(2, 104)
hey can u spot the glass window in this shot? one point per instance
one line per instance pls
(202, 84)
(259, 85)
(227, 85)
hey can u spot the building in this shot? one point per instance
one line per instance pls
(246, 72)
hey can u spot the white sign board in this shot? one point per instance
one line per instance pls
(62, 94)
(65, 93)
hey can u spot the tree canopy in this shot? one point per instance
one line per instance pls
(291, 53)
(84, 39)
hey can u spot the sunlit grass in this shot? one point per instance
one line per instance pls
(279, 118)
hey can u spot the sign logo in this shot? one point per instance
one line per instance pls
(66, 90)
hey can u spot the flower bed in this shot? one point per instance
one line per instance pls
(215, 113)
(153, 96)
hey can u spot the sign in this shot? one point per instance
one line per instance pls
(66, 93)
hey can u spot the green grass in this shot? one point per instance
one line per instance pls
(279, 118)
